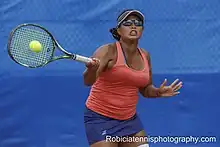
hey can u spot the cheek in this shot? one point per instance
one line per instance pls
(124, 30)
(140, 30)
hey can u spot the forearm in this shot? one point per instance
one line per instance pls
(89, 77)
(151, 92)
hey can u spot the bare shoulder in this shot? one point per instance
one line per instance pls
(147, 54)
(105, 51)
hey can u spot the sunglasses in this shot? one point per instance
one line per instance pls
(137, 23)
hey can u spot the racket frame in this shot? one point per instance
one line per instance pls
(56, 45)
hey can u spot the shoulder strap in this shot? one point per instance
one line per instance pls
(120, 56)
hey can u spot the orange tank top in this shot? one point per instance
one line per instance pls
(115, 92)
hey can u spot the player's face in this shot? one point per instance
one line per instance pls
(131, 28)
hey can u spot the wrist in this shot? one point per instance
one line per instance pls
(158, 93)
(152, 91)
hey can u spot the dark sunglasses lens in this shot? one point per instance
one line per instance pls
(138, 23)
(127, 23)
(130, 22)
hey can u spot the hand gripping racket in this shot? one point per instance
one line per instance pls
(42, 49)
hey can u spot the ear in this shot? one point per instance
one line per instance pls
(118, 30)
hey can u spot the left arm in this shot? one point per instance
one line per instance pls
(150, 90)
(163, 91)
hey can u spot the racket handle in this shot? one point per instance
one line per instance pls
(82, 59)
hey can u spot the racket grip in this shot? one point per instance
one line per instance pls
(82, 59)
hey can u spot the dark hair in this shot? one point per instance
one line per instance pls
(114, 31)
(115, 34)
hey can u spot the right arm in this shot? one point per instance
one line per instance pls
(94, 68)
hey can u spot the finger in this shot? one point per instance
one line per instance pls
(93, 60)
(176, 93)
(163, 84)
(93, 64)
(172, 85)
(178, 87)
(167, 95)
(88, 64)
(96, 60)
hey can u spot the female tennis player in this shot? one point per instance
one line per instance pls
(118, 72)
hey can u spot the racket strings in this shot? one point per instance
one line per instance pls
(21, 52)
(21, 55)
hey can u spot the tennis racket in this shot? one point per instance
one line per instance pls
(20, 52)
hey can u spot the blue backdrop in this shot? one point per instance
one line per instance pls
(44, 107)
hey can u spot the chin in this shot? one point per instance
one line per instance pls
(133, 38)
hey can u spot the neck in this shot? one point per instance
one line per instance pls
(130, 47)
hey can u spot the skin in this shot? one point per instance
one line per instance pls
(105, 58)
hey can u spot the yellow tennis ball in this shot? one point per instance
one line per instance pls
(35, 46)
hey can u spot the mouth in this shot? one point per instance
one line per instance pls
(133, 33)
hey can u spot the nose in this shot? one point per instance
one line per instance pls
(133, 26)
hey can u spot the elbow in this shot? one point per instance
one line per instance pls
(87, 83)
(89, 79)
(145, 95)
